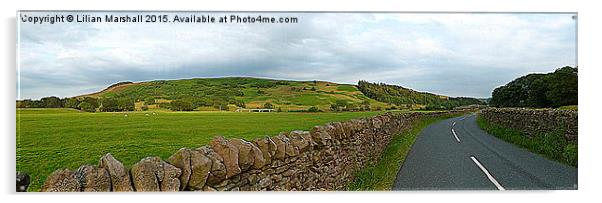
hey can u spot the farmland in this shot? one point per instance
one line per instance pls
(49, 139)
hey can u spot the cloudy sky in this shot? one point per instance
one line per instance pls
(449, 54)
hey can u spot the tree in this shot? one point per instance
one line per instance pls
(109, 105)
(86, 106)
(93, 101)
(116, 105)
(555, 89)
(51, 102)
(149, 100)
(72, 103)
(401, 96)
(240, 103)
(268, 105)
(313, 109)
(563, 89)
(178, 105)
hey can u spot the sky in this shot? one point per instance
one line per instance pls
(453, 54)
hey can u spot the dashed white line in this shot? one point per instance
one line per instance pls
(489, 176)
(456, 136)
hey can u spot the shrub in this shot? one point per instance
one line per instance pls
(72, 103)
(268, 105)
(178, 105)
(86, 106)
(313, 109)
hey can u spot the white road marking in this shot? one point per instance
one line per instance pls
(454, 124)
(456, 136)
(491, 178)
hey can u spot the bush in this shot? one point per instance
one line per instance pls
(116, 105)
(51, 102)
(313, 109)
(72, 103)
(268, 105)
(149, 100)
(178, 105)
(86, 106)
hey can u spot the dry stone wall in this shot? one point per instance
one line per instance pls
(324, 158)
(533, 121)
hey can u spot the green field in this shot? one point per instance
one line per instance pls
(49, 139)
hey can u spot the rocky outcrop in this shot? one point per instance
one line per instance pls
(324, 158)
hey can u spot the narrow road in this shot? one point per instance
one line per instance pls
(455, 154)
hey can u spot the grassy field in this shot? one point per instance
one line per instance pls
(381, 175)
(49, 139)
(550, 145)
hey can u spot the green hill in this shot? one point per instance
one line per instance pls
(232, 93)
(407, 98)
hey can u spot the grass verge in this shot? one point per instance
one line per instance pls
(551, 145)
(381, 175)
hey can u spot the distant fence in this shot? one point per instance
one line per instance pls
(324, 158)
(254, 110)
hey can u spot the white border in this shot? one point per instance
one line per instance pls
(589, 85)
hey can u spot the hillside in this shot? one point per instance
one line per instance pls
(407, 98)
(232, 93)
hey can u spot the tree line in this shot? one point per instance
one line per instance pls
(404, 97)
(555, 89)
(88, 104)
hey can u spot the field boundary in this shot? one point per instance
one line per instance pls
(551, 133)
(325, 158)
(381, 175)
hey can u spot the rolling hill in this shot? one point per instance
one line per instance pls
(231, 93)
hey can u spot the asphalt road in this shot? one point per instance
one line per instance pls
(455, 154)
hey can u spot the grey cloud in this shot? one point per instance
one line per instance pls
(457, 55)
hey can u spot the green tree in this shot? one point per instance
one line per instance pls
(268, 105)
(178, 105)
(149, 100)
(86, 106)
(555, 89)
(313, 109)
(51, 102)
(72, 103)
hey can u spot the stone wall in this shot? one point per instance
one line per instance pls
(533, 121)
(324, 158)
